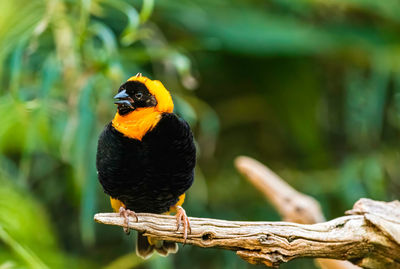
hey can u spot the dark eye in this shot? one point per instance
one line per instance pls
(138, 95)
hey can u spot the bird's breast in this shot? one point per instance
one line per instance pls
(137, 123)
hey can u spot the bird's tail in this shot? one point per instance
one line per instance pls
(145, 246)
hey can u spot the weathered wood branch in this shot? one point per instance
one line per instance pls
(353, 237)
(292, 205)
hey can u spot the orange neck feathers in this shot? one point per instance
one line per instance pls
(137, 123)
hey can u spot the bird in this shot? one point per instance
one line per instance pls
(146, 158)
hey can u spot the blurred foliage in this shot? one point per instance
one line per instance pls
(309, 87)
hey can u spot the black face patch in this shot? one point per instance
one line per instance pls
(139, 96)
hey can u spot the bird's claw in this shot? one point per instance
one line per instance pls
(181, 217)
(126, 213)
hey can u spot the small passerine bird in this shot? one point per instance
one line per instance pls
(146, 158)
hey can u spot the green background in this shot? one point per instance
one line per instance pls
(309, 87)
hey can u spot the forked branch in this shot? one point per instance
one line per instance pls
(292, 205)
(367, 239)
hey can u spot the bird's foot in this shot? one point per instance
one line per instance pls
(126, 213)
(182, 218)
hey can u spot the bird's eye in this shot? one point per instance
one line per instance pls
(138, 95)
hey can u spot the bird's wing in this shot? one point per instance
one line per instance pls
(172, 151)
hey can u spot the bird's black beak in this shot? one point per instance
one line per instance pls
(123, 99)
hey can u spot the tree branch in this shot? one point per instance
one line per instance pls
(292, 205)
(351, 237)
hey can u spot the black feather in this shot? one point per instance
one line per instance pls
(148, 175)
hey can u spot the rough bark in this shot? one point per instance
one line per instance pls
(292, 205)
(355, 237)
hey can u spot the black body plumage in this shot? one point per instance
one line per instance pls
(147, 175)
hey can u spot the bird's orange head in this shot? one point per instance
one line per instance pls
(140, 92)
(141, 101)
